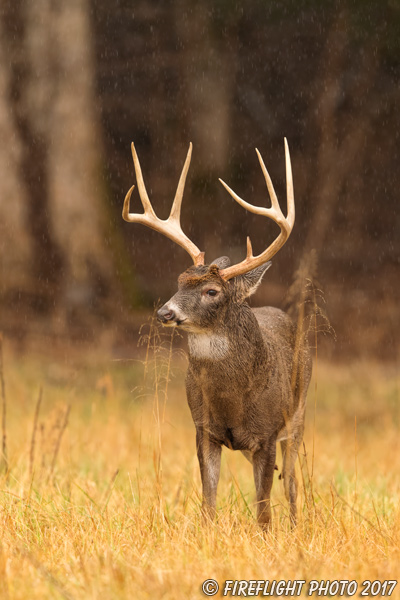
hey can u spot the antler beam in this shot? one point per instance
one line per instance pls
(274, 213)
(171, 227)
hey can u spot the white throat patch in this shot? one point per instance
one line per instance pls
(208, 345)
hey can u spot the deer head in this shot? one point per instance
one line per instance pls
(204, 290)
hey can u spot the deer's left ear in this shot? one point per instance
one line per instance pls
(247, 284)
(222, 262)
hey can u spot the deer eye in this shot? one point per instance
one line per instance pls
(211, 292)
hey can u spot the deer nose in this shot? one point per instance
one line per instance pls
(165, 314)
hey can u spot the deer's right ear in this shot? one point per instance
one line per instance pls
(248, 283)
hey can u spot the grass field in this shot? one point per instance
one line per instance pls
(102, 493)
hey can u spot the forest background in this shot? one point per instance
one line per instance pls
(80, 80)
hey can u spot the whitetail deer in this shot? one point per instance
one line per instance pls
(249, 369)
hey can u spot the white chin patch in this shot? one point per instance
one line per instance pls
(208, 345)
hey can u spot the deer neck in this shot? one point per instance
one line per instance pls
(236, 339)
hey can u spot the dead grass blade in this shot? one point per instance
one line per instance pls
(4, 459)
(109, 491)
(58, 442)
(34, 430)
(356, 512)
(48, 575)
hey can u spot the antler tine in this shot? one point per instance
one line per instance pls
(249, 249)
(141, 187)
(175, 213)
(171, 227)
(240, 201)
(125, 208)
(289, 187)
(270, 186)
(274, 213)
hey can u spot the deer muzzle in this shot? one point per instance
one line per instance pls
(166, 315)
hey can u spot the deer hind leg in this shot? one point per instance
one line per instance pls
(263, 469)
(290, 449)
(209, 456)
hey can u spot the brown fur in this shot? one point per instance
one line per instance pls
(195, 276)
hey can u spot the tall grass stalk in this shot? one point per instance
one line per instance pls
(34, 431)
(4, 455)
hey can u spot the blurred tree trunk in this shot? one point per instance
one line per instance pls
(15, 242)
(208, 77)
(51, 102)
(78, 211)
(342, 141)
(208, 73)
(31, 90)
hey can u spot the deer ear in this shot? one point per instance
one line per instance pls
(222, 262)
(248, 283)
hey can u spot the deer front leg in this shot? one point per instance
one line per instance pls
(209, 455)
(263, 469)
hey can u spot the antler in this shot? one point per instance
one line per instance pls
(274, 213)
(171, 227)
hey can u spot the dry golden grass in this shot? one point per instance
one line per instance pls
(101, 500)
